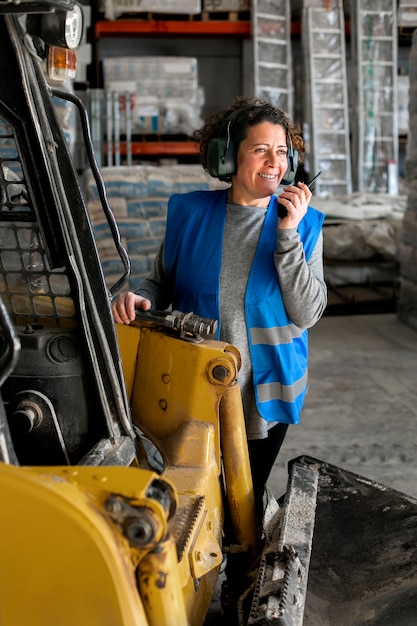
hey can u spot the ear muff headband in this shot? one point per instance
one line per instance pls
(221, 154)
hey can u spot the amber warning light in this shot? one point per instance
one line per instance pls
(62, 63)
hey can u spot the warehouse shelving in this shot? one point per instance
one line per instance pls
(183, 30)
(153, 29)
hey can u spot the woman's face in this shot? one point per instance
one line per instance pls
(261, 163)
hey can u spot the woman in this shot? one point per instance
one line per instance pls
(238, 256)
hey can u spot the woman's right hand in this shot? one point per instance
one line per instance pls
(124, 307)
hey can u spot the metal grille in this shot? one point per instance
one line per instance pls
(13, 190)
(31, 291)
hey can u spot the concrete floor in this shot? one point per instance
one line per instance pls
(361, 409)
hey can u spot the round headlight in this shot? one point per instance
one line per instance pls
(63, 29)
(73, 27)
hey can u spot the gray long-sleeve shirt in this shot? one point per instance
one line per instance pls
(302, 286)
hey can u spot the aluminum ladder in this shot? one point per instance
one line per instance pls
(272, 56)
(326, 97)
(375, 109)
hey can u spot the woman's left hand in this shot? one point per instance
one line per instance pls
(295, 199)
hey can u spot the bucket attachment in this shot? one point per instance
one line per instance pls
(341, 550)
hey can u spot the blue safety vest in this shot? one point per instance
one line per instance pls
(278, 348)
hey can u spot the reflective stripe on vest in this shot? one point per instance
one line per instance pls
(278, 391)
(276, 335)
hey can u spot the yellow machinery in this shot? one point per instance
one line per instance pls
(120, 545)
(184, 397)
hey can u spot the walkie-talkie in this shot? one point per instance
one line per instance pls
(282, 211)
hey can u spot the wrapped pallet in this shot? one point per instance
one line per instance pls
(138, 197)
(163, 92)
(115, 8)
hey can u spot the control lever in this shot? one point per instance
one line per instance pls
(189, 326)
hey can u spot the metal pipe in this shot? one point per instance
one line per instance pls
(237, 470)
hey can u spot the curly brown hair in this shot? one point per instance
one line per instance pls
(245, 112)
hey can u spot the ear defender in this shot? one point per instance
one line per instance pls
(292, 163)
(221, 157)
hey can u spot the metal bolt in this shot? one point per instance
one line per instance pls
(220, 372)
(140, 531)
(113, 505)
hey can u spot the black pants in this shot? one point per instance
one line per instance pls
(262, 454)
